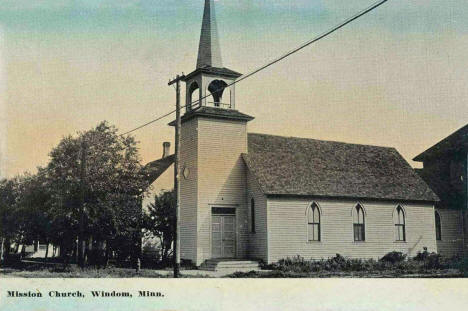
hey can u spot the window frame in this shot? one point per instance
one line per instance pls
(399, 225)
(438, 225)
(314, 208)
(362, 226)
(252, 216)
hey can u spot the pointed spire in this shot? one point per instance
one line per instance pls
(209, 53)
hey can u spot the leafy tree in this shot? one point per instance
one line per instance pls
(160, 221)
(34, 208)
(112, 187)
(9, 194)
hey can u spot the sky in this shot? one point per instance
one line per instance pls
(396, 77)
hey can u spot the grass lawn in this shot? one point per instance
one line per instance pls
(114, 272)
(450, 273)
(38, 270)
(393, 265)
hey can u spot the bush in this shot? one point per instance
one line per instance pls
(431, 260)
(395, 263)
(421, 256)
(338, 263)
(393, 257)
(462, 265)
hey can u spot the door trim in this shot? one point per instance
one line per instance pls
(236, 231)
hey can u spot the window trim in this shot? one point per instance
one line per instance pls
(397, 225)
(252, 216)
(363, 225)
(438, 229)
(310, 208)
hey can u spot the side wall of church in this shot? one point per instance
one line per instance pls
(288, 229)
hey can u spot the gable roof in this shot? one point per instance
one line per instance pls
(454, 142)
(309, 167)
(156, 168)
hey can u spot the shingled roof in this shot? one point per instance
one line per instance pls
(156, 168)
(309, 167)
(443, 189)
(453, 143)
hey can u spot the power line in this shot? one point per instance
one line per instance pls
(317, 38)
(276, 60)
(150, 122)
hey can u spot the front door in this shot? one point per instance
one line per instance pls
(223, 236)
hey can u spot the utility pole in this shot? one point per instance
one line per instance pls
(177, 177)
(82, 202)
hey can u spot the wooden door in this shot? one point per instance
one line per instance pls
(223, 236)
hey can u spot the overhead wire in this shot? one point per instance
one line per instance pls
(274, 61)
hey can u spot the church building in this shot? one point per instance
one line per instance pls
(263, 197)
(445, 170)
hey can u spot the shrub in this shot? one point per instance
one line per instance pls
(395, 263)
(462, 265)
(431, 260)
(298, 264)
(393, 257)
(421, 256)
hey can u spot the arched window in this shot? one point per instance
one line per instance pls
(193, 96)
(252, 215)
(216, 88)
(313, 223)
(359, 224)
(438, 227)
(399, 220)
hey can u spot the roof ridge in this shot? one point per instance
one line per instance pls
(322, 140)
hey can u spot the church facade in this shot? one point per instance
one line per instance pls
(265, 197)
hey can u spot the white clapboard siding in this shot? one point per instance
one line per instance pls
(258, 241)
(451, 232)
(288, 229)
(221, 180)
(188, 190)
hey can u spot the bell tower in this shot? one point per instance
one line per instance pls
(210, 79)
(213, 208)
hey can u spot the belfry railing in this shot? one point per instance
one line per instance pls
(198, 104)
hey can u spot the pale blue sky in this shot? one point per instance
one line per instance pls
(396, 77)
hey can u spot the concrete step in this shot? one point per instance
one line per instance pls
(230, 265)
(217, 261)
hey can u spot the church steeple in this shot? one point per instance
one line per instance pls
(209, 52)
(210, 83)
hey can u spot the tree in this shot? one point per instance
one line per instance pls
(33, 210)
(9, 194)
(113, 187)
(160, 221)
